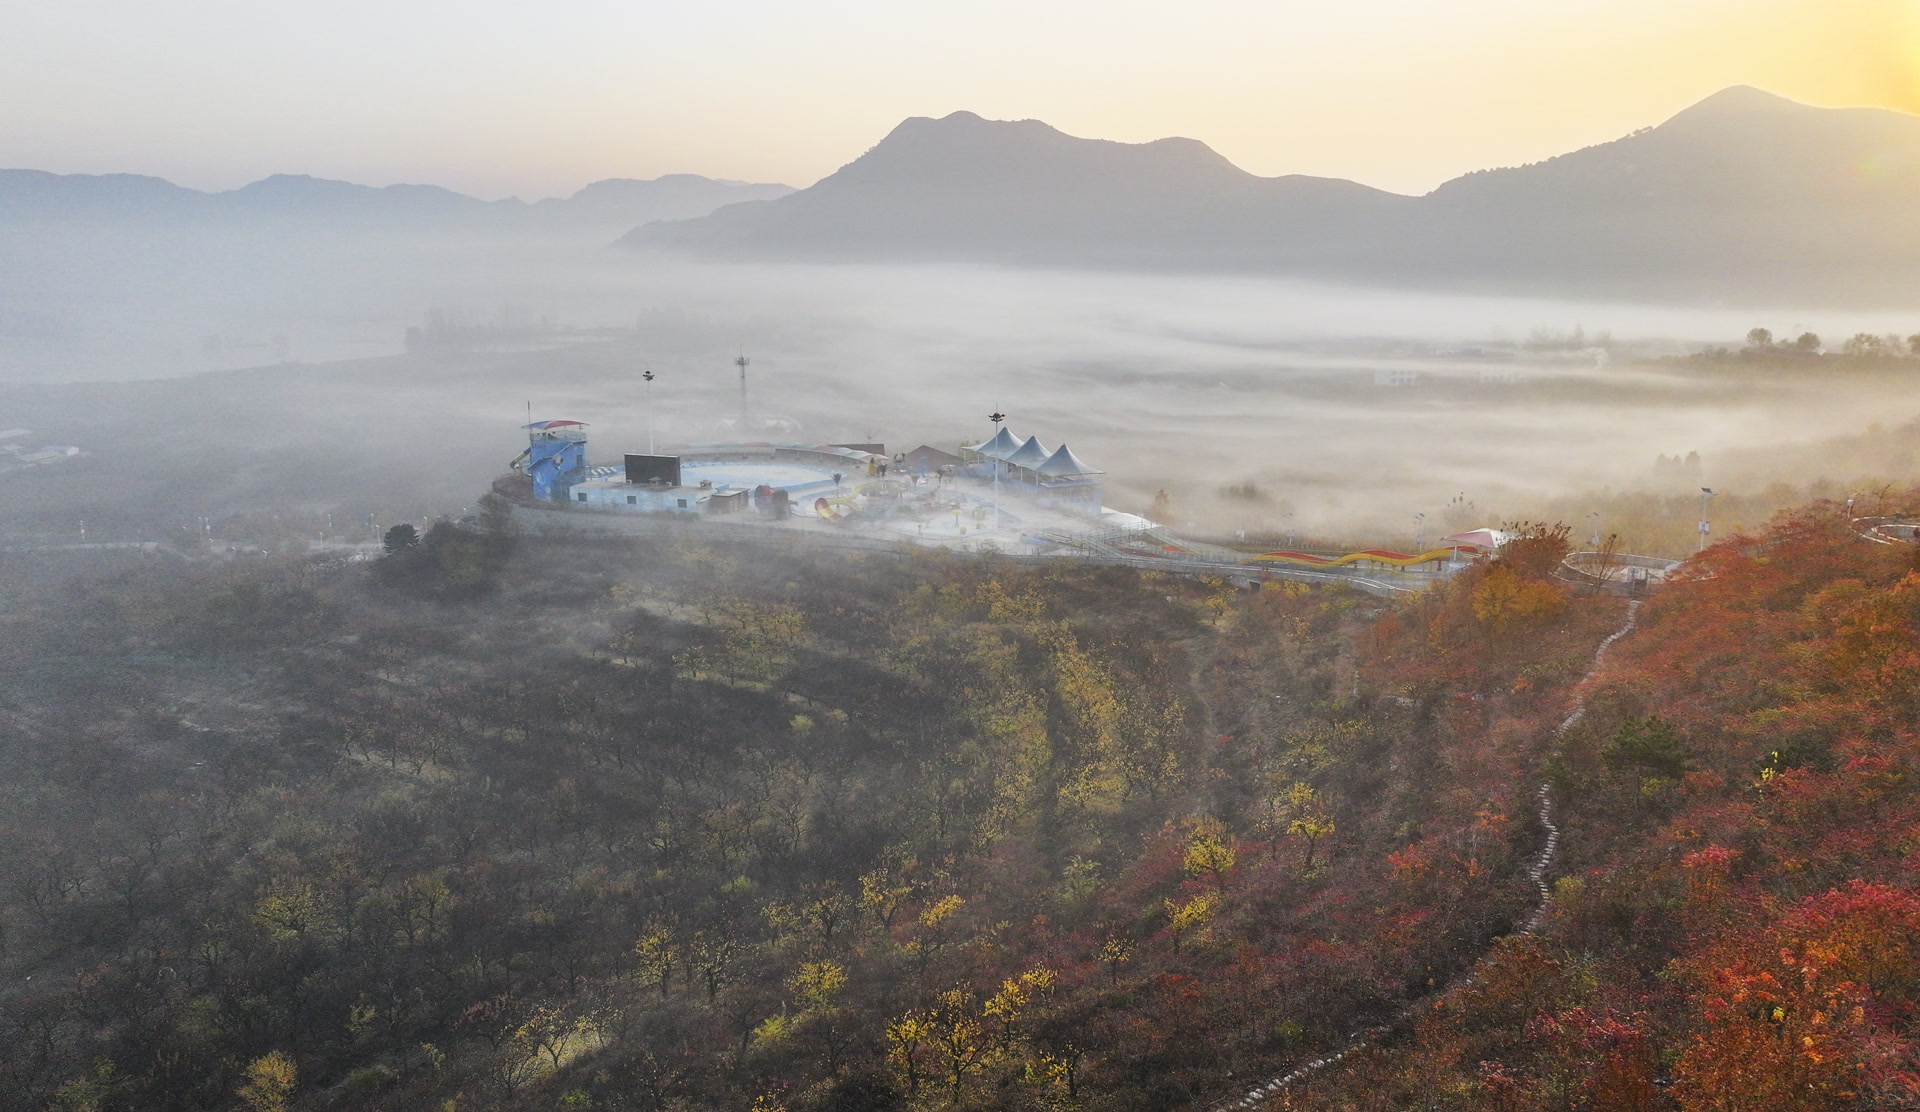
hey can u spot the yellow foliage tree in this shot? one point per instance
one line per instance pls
(1307, 820)
(1010, 1003)
(1506, 601)
(1209, 852)
(958, 1035)
(1183, 918)
(1096, 753)
(881, 894)
(289, 910)
(270, 1082)
(657, 956)
(906, 1037)
(816, 983)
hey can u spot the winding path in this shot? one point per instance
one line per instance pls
(1536, 872)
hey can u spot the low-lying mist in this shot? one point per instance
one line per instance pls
(1256, 404)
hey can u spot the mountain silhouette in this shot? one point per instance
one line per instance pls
(965, 187)
(605, 207)
(1744, 194)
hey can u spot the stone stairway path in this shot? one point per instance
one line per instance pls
(1537, 869)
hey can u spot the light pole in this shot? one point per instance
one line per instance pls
(1289, 521)
(648, 376)
(1593, 522)
(1850, 500)
(996, 417)
(742, 364)
(1706, 495)
(1419, 533)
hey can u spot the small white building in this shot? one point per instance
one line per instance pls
(618, 494)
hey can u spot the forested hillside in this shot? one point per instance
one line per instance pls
(1735, 926)
(518, 824)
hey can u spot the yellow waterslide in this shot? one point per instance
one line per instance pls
(1373, 555)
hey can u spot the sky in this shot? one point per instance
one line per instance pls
(508, 98)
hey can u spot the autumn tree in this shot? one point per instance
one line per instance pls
(270, 1082)
(1209, 853)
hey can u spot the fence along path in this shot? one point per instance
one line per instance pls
(1259, 1095)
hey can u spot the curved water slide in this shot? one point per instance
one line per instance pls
(843, 505)
(1371, 555)
(1155, 547)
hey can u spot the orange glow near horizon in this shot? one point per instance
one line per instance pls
(537, 100)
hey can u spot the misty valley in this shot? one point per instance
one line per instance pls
(488, 655)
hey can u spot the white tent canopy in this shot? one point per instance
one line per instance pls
(1485, 537)
(1031, 454)
(1063, 464)
(1003, 444)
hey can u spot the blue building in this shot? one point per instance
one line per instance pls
(555, 459)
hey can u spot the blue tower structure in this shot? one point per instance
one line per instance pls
(555, 459)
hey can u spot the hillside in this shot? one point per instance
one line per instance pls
(660, 825)
(1735, 925)
(1743, 194)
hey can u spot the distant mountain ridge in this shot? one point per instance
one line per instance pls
(610, 206)
(1743, 194)
(966, 187)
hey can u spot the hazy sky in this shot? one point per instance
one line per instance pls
(497, 97)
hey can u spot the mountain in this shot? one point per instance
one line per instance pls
(604, 207)
(1744, 190)
(37, 196)
(1744, 193)
(673, 197)
(965, 187)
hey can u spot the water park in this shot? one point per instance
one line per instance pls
(1008, 496)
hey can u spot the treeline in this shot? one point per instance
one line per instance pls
(636, 825)
(1763, 347)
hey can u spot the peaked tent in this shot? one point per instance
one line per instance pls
(1485, 537)
(1003, 444)
(1030, 454)
(1063, 464)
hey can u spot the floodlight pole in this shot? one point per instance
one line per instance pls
(1593, 520)
(996, 417)
(1706, 495)
(742, 364)
(648, 376)
(1419, 533)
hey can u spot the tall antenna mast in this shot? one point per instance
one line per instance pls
(742, 364)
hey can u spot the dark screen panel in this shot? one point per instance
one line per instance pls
(661, 470)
